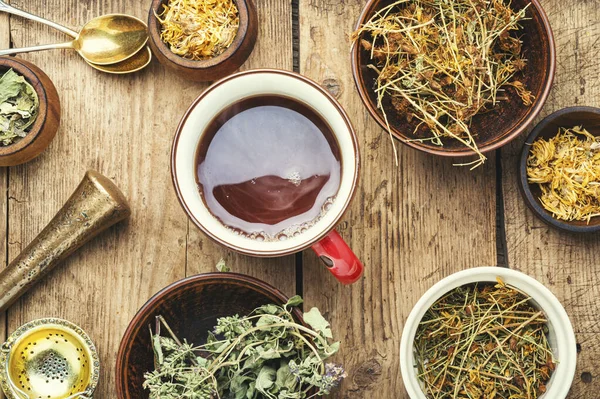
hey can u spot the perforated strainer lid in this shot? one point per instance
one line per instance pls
(49, 359)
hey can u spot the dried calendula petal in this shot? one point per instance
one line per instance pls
(199, 29)
(567, 170)
(19, 105)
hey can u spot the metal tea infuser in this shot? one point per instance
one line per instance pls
(49, 359)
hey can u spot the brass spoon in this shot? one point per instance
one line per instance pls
(104, 40)
(138, 61)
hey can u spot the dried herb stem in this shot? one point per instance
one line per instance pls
(483, 341)
(443, 62)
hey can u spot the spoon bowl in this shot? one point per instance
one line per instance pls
(112, 38)
(104, 40)
(137, 62)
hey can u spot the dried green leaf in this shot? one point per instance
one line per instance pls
(265, 379)
(19, 105)
(222, 266)
(294, 301)
(318, 323)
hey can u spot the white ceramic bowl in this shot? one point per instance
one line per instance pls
(561, 335)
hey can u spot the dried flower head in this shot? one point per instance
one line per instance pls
(199, 29)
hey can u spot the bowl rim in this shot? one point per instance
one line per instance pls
(244, 12)
(564, 373)
(525, 186)
(520, 128)
(34, 78)
(215, 277)
(347, 201)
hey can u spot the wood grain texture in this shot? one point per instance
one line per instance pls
(121, 126)
(566, 263)
(411, 224)
(4, 43)
(273, 50)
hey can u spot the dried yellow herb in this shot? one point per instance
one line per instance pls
(199, 29)
(567, 170)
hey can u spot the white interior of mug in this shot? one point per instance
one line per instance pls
(229, 91)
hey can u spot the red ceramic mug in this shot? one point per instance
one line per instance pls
(321, 236)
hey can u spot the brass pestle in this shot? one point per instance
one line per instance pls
(96, 204)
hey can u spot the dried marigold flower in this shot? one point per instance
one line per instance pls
(199, 29)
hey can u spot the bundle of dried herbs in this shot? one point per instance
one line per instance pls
(567, 170)
(265, 354)
(199, 29)
(441, 62)
(19, 106)
(483, 341)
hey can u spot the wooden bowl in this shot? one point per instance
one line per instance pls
(492, 129)
(588, 118)
(45, 126)
(217, 67)
(191, 307)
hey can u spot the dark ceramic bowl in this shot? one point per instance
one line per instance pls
(191, 307)
(588, 118)
(492, 129)
(46, 124)
(217, 67)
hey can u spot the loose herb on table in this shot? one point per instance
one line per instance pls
(442, 62)
(483, 341)
(19, 106)
(567, 170)
(265, 354)
(199, 29)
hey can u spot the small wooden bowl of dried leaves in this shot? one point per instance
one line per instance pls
(453, 78)
(560, 170)
(202, 40)
(225, 335)
(29, 111)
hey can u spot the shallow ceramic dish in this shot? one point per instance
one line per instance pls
(45, 126)
(217, 67)
(191, 307)
(492, 129)
(589, 118)
(561, 334)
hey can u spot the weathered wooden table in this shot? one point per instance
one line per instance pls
(411, 224)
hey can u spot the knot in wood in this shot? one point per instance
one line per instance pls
(367, 373)
(333, 86)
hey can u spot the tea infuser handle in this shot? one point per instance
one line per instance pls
(339, 258)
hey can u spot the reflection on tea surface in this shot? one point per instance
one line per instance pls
(268, 167)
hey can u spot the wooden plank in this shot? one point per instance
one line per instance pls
(121, 126)
(565, 263)
(4, 43)
(273, 50)
(411, 224)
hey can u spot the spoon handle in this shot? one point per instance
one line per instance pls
(12, 51)
(15, 11)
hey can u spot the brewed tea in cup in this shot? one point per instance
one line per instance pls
(268, 167)
(265, 162)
